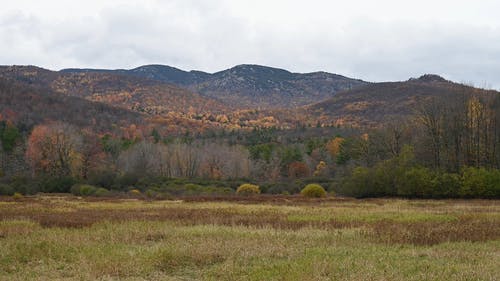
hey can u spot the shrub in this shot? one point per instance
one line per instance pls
(192, 189)
(358, 184)
(217, 190)
(6, 189)
(248, 189)
(446, 185)
(101, 192)
(280, 187)
(105, 178)
(83, 189)
(313, 190)
(75, 190)
(17, 196)
(128, 179)
(24, 184)
(57, 184)
(416, 182)
(151, 193)
(135, 192)
(480, 182)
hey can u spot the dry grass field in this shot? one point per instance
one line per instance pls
(256, 238)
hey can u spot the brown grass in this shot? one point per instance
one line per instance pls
(431, 233)
(481, 223)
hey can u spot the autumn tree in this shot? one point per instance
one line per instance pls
(91, 153)
(53, 149)
(334, 145)
(430, 116)
(298, 169)
(224, 161)
(320, 169)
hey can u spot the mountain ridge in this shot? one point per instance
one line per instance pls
(186, 109)
(247, 85)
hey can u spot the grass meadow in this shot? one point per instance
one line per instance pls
(255, 238)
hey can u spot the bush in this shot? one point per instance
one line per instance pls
(151, 193)
(192, 189)
(83, 190)
(313, 190)
(101, 192)
(17, 196)
(446, 185)
(128, 179)
(480, 182)
(24, 184)
(217, 190)
(105, 178)
(135, 192)
(57, 184)
(358, 184)
(248, 189)
(280, 187)
(416, 182)
(6, 189)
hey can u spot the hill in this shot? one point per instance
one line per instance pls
(243, 90)
(157, 72)
(134, 93)
(376, 103)
(247, 86)
(29, 105)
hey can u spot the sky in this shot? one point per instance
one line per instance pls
(383, 40)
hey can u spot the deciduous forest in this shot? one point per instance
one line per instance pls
(447, 149)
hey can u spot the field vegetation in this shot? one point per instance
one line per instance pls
(261, 237)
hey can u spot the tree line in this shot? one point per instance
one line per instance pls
(449, 149)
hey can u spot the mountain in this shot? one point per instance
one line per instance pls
(247, 86)
(29, 105)
(254, 86)
(377, 103)
(245, 96)
(134, 93)
(157, 72)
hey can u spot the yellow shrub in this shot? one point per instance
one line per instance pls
(135, 192)
(17, 196)
(248, 189)
(313, 190)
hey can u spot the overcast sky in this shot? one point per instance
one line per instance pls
(373, 40)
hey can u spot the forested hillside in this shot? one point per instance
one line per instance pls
(247, 86)
(425, 137)
(28, 106)
(378, 103)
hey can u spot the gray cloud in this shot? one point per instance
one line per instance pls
(388, 41)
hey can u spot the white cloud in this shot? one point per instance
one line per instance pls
(373, 40)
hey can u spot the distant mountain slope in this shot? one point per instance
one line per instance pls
(244, 90)
(134, 93)
(32, 105)
(248, 86)
(377, 103)
(143, 95)
(157, 72)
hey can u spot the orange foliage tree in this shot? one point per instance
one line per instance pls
(92, 155)
(320, 169)
(334, 145)
(53, 149)
(298, 170)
